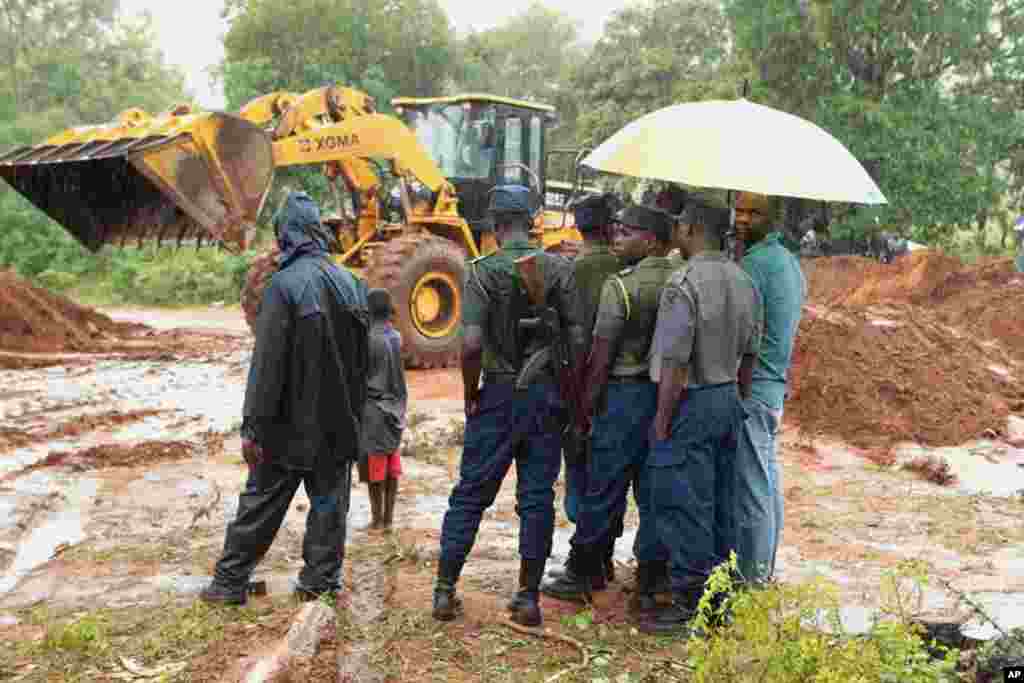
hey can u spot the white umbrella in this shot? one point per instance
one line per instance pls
(737, 145)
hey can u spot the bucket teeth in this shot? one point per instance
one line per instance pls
(195, 180)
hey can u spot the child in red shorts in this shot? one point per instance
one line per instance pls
(384, 413)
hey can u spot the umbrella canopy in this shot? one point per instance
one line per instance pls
(737, 145)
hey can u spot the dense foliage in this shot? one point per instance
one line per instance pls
(926, 93)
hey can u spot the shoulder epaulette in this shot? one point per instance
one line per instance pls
(626, 271)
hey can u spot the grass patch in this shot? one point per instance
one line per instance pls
(87, 646)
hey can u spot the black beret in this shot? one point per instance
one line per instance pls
(645, 218)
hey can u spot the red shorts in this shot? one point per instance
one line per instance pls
(384, 466)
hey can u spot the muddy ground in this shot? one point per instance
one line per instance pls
(118, 472)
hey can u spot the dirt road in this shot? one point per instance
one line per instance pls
(118, 474)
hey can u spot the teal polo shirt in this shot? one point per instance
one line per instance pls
(782, 289)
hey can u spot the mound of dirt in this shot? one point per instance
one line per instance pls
(877, 376)
(831, 280)
(35, 320)
(121, 455)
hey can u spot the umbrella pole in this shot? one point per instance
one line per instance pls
(739, 248)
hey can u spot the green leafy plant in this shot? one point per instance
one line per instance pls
(793, 633)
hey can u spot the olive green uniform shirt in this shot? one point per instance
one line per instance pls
(628, 313)
(592, 269)
(495, 300)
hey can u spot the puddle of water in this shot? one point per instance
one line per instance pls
(9, 620)
(193, 488)
(64, 526)
(975, 474)
(1006, 609)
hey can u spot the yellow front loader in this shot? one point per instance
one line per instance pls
(199, 177)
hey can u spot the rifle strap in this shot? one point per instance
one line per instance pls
(625, 295)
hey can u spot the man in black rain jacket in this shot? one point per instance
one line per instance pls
(303, 402)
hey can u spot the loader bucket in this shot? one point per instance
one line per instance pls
(202, 176)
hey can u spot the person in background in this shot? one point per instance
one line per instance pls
(672, 200)
(384, 414)
(706, 341)
(303, 406)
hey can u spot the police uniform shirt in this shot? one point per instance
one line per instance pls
(709, 317)
(494, 299)
(622, 299)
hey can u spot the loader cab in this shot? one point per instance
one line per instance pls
(471, 137)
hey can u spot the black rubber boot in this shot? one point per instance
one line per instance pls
(220, 594)
(518, 600)
(558, 572)
(642, 602)
(390, 493)
(609, 563)
(375, 490)
(447, 604)
(660, 578)
(582, 576)
(674, 619)
(527, 609)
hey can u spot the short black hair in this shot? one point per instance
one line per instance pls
(712, 220)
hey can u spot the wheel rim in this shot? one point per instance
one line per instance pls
(434, 305)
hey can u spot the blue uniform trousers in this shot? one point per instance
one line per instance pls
(619, 450)
(521, 426)
(575, 486)
(693, 481)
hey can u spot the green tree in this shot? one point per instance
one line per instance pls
(887, 80)
(652, 55)
(530, 56)
(68, 63)
(405, 45)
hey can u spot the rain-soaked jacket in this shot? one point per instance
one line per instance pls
(307, 381)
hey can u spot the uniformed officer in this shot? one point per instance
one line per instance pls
(593, 216)
(622, 399)
(504, 424)
(707, 338)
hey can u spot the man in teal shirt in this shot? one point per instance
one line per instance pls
(782, 289)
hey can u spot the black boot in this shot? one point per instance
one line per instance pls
(582, 576)
(375, 490)
(527, 601)
(218, 593)
(642, 603)
(674, 619)
(390, 493)
(447, 604)
(660, 577)
(609, 562)
(559, 572)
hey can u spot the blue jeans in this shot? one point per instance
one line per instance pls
(618, 459)
(520, 426)
(758, 492)
(692, 476)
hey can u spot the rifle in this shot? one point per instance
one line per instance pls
(556, 353)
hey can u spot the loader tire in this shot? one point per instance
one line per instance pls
(261, 270)
(424, 274)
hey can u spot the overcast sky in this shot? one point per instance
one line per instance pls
(189, 32)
